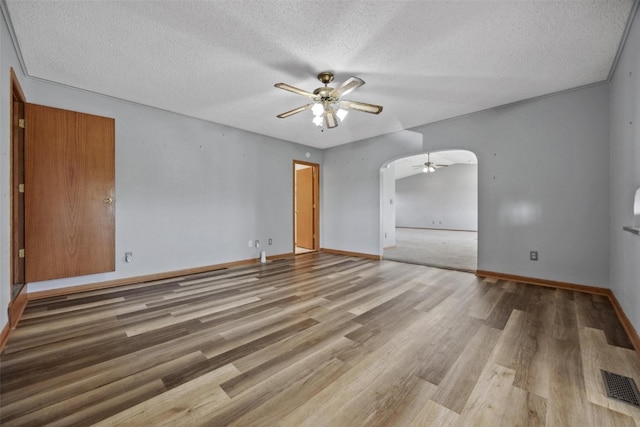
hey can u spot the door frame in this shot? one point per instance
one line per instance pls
(316, 202)
(17, 169)
(384, 201)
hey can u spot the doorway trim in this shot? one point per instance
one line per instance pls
(315, 200)
(17, 169)
(383, 204)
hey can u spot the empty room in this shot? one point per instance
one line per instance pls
(199, 199)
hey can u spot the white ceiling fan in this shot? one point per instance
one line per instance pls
(429, 166)
(328, 105)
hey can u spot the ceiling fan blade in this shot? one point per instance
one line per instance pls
(296, 90)
(361, 106)
(294, 111)
(346, 87)
(330, 118)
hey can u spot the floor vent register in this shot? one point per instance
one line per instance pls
(621, 388)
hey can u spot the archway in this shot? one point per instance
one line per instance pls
(430, 209)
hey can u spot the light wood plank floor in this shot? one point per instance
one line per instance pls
(319, 340)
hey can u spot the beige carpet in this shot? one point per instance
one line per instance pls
(457, 250)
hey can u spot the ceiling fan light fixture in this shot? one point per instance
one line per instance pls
(330, 119)
(317, 109)
(327, 107)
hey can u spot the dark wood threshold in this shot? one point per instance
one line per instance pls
(349, 253)
(622, 317)
(280, 256)
(438, 229)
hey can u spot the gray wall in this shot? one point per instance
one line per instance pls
(543, 184)
(625, 175)
(352, 187)
(388, 204)
(446, 199)
(189, 193)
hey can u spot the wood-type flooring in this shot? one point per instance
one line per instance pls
(318, 340)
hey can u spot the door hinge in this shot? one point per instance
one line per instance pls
(21, 253)
(20, 188)
(21, 123)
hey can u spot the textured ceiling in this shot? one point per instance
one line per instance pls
(423, 61)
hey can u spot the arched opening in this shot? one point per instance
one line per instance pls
(430, 209)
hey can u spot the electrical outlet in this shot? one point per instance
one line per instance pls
(250, 243)
(533, 255)
(270, 242)
(257, 243)
(128, 256)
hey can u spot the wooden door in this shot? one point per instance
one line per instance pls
(17, 176)
(304, 208)
(69, 190)
(17, 186)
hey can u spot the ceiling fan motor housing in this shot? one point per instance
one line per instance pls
(325, 94)
(325, 77)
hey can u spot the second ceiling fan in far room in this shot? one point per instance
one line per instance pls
(429, 166)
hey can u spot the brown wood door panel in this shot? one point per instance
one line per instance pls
(70, 178)
(17, 220)
(304, 208)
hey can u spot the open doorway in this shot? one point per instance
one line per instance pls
(432, 212)
(306, 207)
